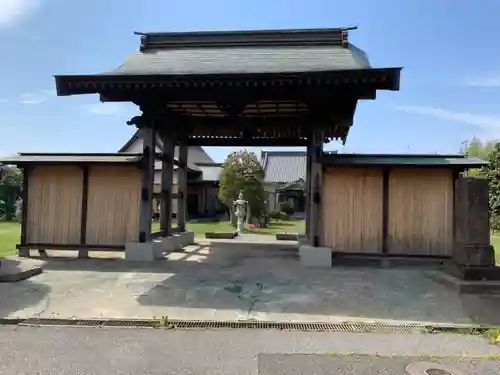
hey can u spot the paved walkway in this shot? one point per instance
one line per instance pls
(228, 281)
(58, 350)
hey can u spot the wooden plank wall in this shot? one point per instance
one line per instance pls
(113, 205)
(421, 211)
(352, 207)
(419, 218)
(54, 205)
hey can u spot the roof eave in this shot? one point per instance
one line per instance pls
(378, 78)
(349, 160)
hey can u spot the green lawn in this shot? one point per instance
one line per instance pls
(10, 235)
(495, 241)
(279, 226)
(10, 232)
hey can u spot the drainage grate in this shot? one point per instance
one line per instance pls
(10, 322)
(201, 324)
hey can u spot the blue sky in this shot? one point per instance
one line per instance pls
(450, 85)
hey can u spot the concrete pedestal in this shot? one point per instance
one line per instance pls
(302, 239)
(320, 257)
(187, 238)
(17, 270)
(177, 241)
(141, 251)
(167, 244)
(474, 255)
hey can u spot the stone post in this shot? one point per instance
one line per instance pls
(472, 229)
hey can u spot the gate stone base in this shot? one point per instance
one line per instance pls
(319, 257)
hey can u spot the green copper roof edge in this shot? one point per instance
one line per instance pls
(404, 160)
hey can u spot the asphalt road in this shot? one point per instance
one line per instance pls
(72, 350)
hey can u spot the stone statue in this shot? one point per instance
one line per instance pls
(241, 211)
(19, 209)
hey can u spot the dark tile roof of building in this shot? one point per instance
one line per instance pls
(210, 171)
(173, 59)
(196, 154)
(283, 166)
(243, 52)
(403, 160)
(243, 60)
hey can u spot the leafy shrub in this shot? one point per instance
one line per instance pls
(284, 216)
(275, 214)
(287, 208)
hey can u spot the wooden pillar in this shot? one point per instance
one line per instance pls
(385, 210)
(146, 206)
(84, 253)
(182, 183)
(167, 174)
(455, 175)
(315, 225)
(25, 196)
(308, 193)
(24, 219)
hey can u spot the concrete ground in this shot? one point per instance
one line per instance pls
(71, 350)
(228, 280)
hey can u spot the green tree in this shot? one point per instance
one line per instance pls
(492, 173)
(242, 172)
(10, 185)
(481, 150)
(11, 176)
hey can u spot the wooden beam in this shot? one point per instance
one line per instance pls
(83, 253)
(268, 93)
(293, 126)
(308, 196)
(146, 205)
(53, 246)
(247, 142)
(455, 175)
(316, 188)
(24, 219)
(167, 173)
(182, 183)
(170, 158)
(385, 210)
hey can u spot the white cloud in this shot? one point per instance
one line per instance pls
(36, 97)
(104, 109)
(490, 81)
(33, 98)
(483, 121)
(12, 11)
(50, 92)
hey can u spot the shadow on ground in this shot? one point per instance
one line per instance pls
(482, 309)
(22, 295)
(244, 281)
(269, 283)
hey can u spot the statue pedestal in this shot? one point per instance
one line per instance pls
(241, 226)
